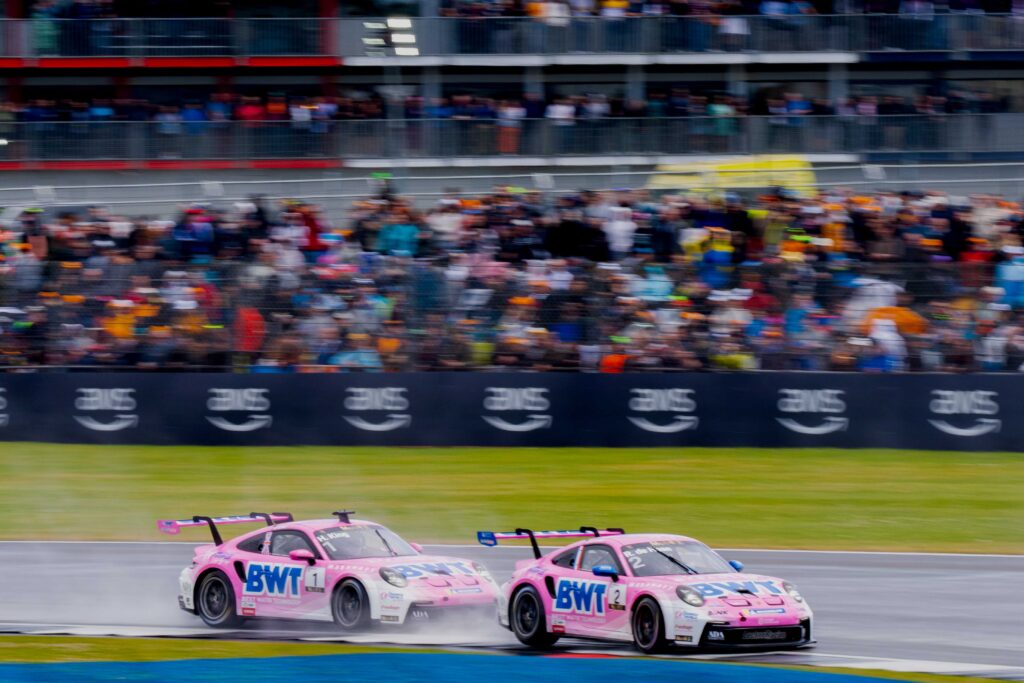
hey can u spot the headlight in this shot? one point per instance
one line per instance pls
(482, 571)
(690, 596)
(793, 592)
(393, 577)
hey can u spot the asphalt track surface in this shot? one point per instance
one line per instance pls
(956, 614)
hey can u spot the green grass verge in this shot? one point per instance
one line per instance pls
(48, 649)
(51, 649)
(841, 499)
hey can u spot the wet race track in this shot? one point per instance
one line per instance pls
(957, 614)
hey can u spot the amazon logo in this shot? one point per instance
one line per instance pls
(253, 403)
(528, 407)
(387, 407)
(114, 408)
(674, 409)
(980, 407)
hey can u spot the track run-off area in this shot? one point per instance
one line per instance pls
(917, 612)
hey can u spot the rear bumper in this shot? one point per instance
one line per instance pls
(756, 637)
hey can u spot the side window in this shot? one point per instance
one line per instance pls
(594, 555)
(566, 559)
(254, 544)
(283, 542)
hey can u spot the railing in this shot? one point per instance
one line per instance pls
(198, 37)
(432, 138)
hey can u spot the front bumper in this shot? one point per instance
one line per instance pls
(756, 637)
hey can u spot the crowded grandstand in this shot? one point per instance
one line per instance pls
(607, 281)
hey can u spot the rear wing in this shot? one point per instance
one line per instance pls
(174, 526)
(491, 538)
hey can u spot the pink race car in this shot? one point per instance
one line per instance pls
(651, 589)
(352, 572)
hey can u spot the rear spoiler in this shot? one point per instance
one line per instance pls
(173, 526)
(491, 538)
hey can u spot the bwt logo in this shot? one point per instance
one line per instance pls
(4, 417)
(828, 402)
(532, 400)
(952, 403)
(580, 597)
(388, 400)
(253, 401)
(664, 401)
(120, 401)
(279, 580)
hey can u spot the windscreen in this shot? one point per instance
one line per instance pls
(353, 542)
(664, 558)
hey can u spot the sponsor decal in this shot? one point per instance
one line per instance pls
(278, 580)
(716, 635)
(388, 595)
(684, 639)
(253, 403)
(951, 404)
(459, 591)
(248, 607)
(315, 579)
(687, 615)
(532, 401)
(813, 403)
(777, 610)
(388, 617)
(412, 571)
(419, 614)
(558, 628)
(574, 596)
(685, 628)
(4, 417)
(720, 588)
(387, 404)
(120, 402)
(678, 404)
(248, 611)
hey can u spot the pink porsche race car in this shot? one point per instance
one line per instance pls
(352, 572)
(654, 590)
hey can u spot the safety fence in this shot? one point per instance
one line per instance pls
(385, 37)
(942, 412)
(172, 138)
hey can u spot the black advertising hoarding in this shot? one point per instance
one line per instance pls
(947, 412)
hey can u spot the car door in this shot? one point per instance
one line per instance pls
(279, 586)
(586, 603)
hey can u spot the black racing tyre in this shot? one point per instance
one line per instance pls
(526, 617)
(350, 606)
(648, 626)
(215, 601)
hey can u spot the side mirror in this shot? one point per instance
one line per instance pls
(736, 564)
(607, 571)
(417, 547)
(302, 555)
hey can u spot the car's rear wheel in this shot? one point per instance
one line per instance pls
(648, 626)
(350, 606)
(215, 601)
(526, 616)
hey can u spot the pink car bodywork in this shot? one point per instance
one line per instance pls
(284, 571)
(733, 609)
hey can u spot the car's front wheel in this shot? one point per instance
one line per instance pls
(648, 626)
(350, 606)
(526, 616)
(215, 601)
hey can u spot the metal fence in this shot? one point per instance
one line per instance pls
(433, 138)
(437, 36)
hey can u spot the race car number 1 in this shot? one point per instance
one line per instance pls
(315, 580)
